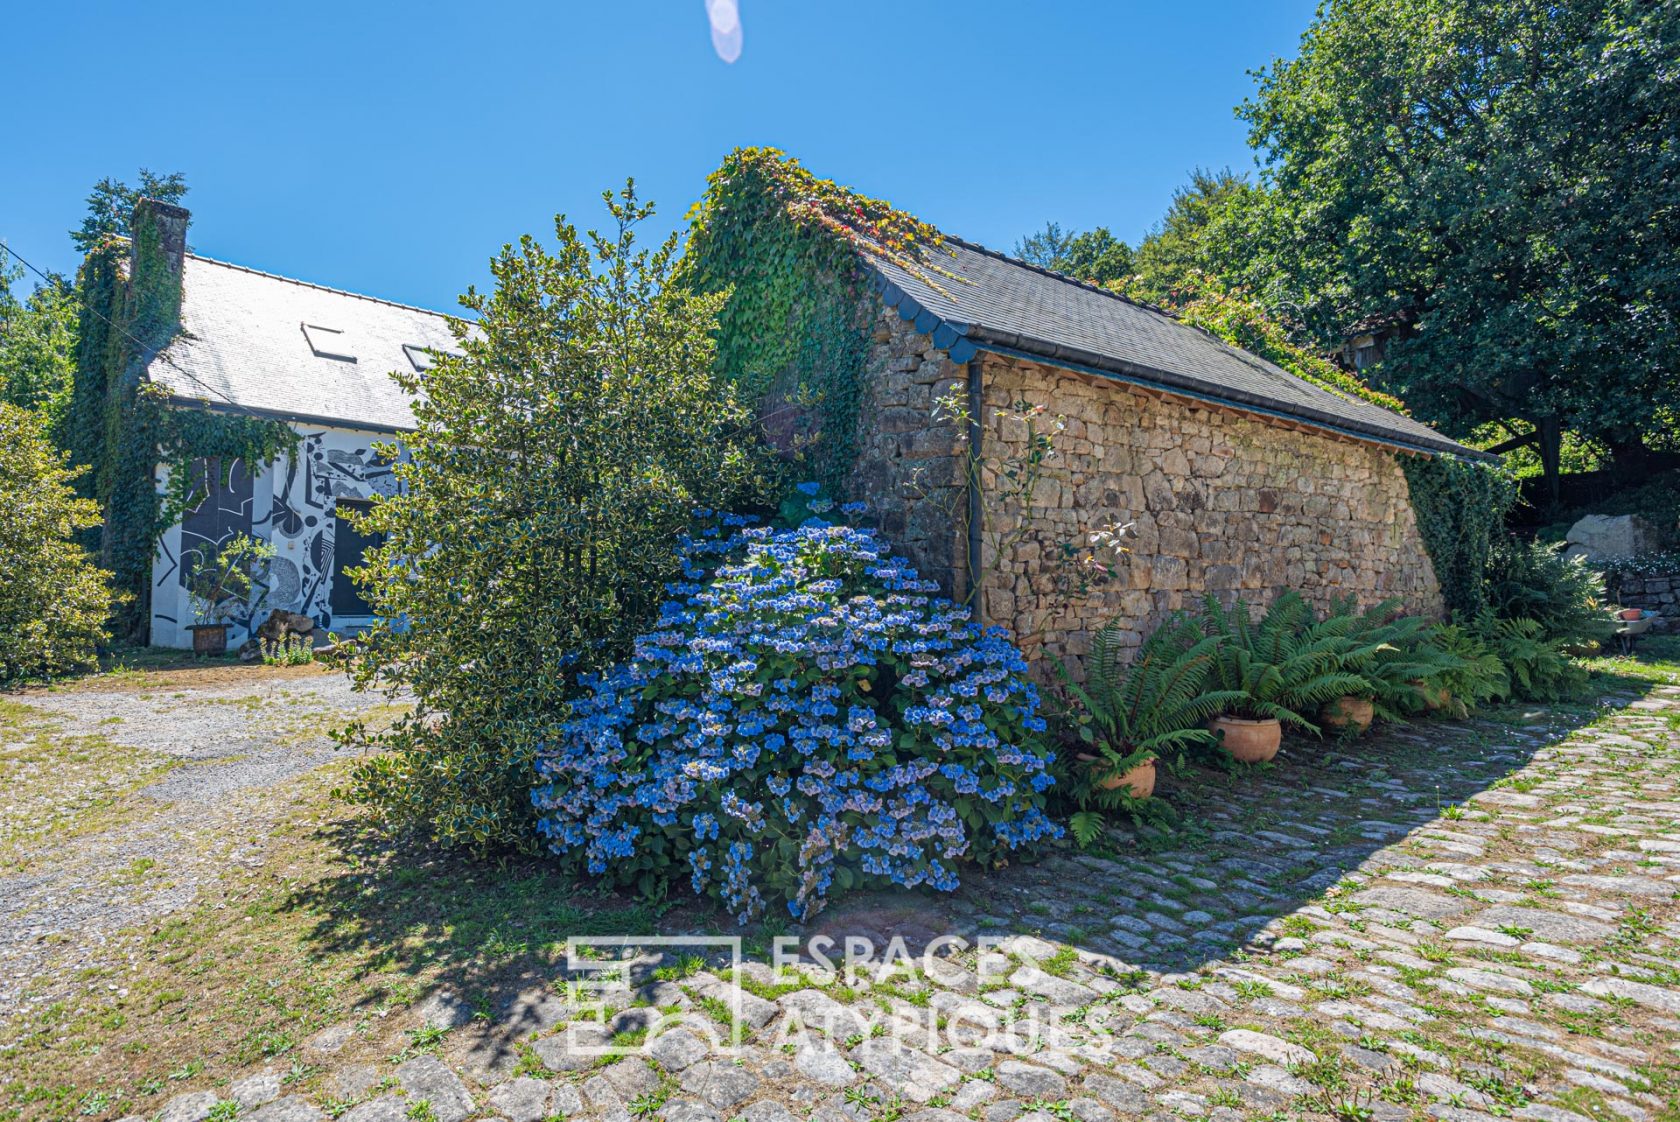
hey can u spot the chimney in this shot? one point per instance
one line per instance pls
(157, 248)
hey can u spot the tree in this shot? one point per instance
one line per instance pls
(53, 601)
(1504, 176)
(38, 346)
(557, 460)
(1096, 256)
(1214, 226)
(112, 201)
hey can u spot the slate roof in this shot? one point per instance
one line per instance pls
(999, 303)
(243, 342)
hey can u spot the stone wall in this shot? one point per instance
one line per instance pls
(910, 459)
(1654, 591)
(1219, 502)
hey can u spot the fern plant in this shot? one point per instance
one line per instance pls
(1539, 668)
(1282, 666)
(1480, 675)
(1395, 654)
(1128, 714)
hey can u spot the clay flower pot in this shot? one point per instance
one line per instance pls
(1248, 741)
(1348, 714)
(1140, 779)
(209, 638)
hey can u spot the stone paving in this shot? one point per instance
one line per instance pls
(1453, 921)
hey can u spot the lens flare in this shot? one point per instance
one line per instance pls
(725, 18)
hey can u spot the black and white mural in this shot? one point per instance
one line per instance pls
(294, 503)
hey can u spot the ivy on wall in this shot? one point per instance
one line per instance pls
(1460, 508)
(124, 427)
(795, 331)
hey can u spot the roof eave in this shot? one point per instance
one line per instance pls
(965, 339)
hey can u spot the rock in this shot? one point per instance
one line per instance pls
(1125, 1097)
(1489, 980)
(533, 1010)
(329, 1040)
(721, 1085)
(574, 1049)
(1481, 935)
(1655, 997)
(194, 1106)
(823, 1064)
(1599, 536)
(444, 1009)
(1413, 902)
(281, 623)
(426, 1077)
(1267, 1047)
(1059, 990)
(1030, 1080)
(293, 1109)
(631, 1078)
(255, 1090)
(1545, 923)
(915, 1075)
(816, 1010)
(678, 1049)
(687, 1110)
(386, 1108)
(523, 1100)
(767, 1110)
(354, 1082)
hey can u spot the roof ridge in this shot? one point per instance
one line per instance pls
(1066, 278)
(320, 287)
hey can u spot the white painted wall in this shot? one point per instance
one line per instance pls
(289, 502)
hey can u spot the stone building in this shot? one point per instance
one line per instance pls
(1235, 477)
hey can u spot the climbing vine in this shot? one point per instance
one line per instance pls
(125, 427)
(1460, 508)
(795, 331)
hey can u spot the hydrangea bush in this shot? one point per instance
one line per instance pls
(807, 715)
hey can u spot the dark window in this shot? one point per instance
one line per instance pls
(349, 544)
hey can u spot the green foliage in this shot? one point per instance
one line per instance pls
(1094, 256)
(111, 202)
(1460, 509)
(1480, 675)
(1212, 228)
(555, 462)
(1156, 705)
(1284, 664)
(1396, 654)
(1203, 301)
(1537, 668)
(222, 578)
(53, 600)
(288, 650)
(1501, 175)
(780, 246)
(37, 346)
(1533, 580)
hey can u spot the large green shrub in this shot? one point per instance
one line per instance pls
(53, 600)
(556, 461)
(1282, 666)
(1460, 509)
(1532, 580)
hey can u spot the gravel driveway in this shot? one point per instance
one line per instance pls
(125, 796)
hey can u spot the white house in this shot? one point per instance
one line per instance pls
(320, 360)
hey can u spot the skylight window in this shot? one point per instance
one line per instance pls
(420, 357)
(328, 342)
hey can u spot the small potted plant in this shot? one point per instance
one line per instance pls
(1126, 716)
(221, 579)
(1400, 663)
(1273, 670)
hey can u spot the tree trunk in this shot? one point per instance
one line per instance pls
(1550, 430)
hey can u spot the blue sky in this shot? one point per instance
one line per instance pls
(391, 148)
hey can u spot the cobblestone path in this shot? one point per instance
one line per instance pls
(1453, 921)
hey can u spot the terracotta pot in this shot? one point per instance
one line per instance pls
(1140, 779)
(209, 638)
(1348, 714)
(1435, 697)
(1630, 613)
(1248, 741)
